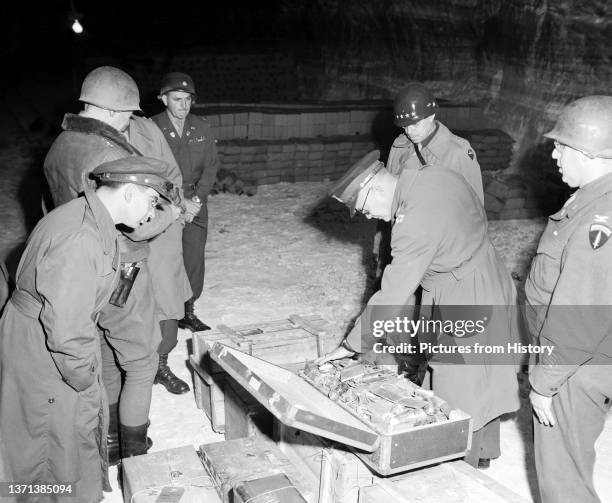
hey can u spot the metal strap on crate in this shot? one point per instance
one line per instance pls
(236, 337)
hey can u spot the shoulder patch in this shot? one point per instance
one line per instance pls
(599, 235)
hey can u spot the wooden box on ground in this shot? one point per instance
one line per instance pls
(144, 477)
(287, 342)
(297, 404)
(233, 462)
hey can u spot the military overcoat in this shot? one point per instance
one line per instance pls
(52, 409)
(439, 241)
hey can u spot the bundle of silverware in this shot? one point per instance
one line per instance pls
(377, 394)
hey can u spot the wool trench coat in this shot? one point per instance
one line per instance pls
(52, 402)
(170, 283)
(439, 241)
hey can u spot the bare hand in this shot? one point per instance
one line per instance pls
(336, 354)
(542, 408)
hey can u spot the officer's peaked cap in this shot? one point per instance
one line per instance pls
(357, 177)
(140, 170)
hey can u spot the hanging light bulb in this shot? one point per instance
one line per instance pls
(77, 27)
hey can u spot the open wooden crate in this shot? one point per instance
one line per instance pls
(297, 404)
(288, 342)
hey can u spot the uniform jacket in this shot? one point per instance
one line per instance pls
(444, 150)
(84, 144)
(195, 152)
(569, 288)
(441, 244)
(51, 396)
(170, 283)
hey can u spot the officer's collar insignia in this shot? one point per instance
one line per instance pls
(599, 235)
(399, 218)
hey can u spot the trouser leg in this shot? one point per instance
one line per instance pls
(565, 453)
(485, 443)
(134, 335)
(194, 243)
(169, 332)
(111, 373)
(135, 399)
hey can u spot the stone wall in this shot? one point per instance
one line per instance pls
(266, 144)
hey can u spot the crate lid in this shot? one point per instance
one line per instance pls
(293, 401)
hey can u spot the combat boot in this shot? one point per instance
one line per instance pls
(134, 440)
(190, 320)
(113, 448)
(166, 377)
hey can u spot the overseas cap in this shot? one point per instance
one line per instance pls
(177, 81)
(358, 176)
(141, 171)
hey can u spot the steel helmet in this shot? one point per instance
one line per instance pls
(177, 81)
(110, 88)
(412, 104)
(586, 125)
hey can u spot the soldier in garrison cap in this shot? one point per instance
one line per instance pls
(569, 297)
(194, 147)
(53, 410)
(442, 245)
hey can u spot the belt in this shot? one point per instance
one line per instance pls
(26, 304)
(461, 271)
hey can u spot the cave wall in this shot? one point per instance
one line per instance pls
(521, 60)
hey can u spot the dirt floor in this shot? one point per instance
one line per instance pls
(286, 250)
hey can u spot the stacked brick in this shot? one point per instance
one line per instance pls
(516, 196)
(341, 119)
(271, 144)
(267, 162)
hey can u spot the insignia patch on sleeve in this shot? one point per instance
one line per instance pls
(470, 153)
(598, 235)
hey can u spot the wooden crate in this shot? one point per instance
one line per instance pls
(235, 461)
(144, 477)
(288, 342)
(453, 482)
(244, 415)
(307, 452)
(298, 404)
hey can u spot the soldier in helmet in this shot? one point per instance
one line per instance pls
(102, 132)
(53, 411)
(426, 141)
(194, 147)
(440, 244)
(569, 297)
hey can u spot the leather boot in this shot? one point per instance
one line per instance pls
(112, 439)
(166, 377)
(134, 440)
(190, 320)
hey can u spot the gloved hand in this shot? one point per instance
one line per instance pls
(192, 208)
